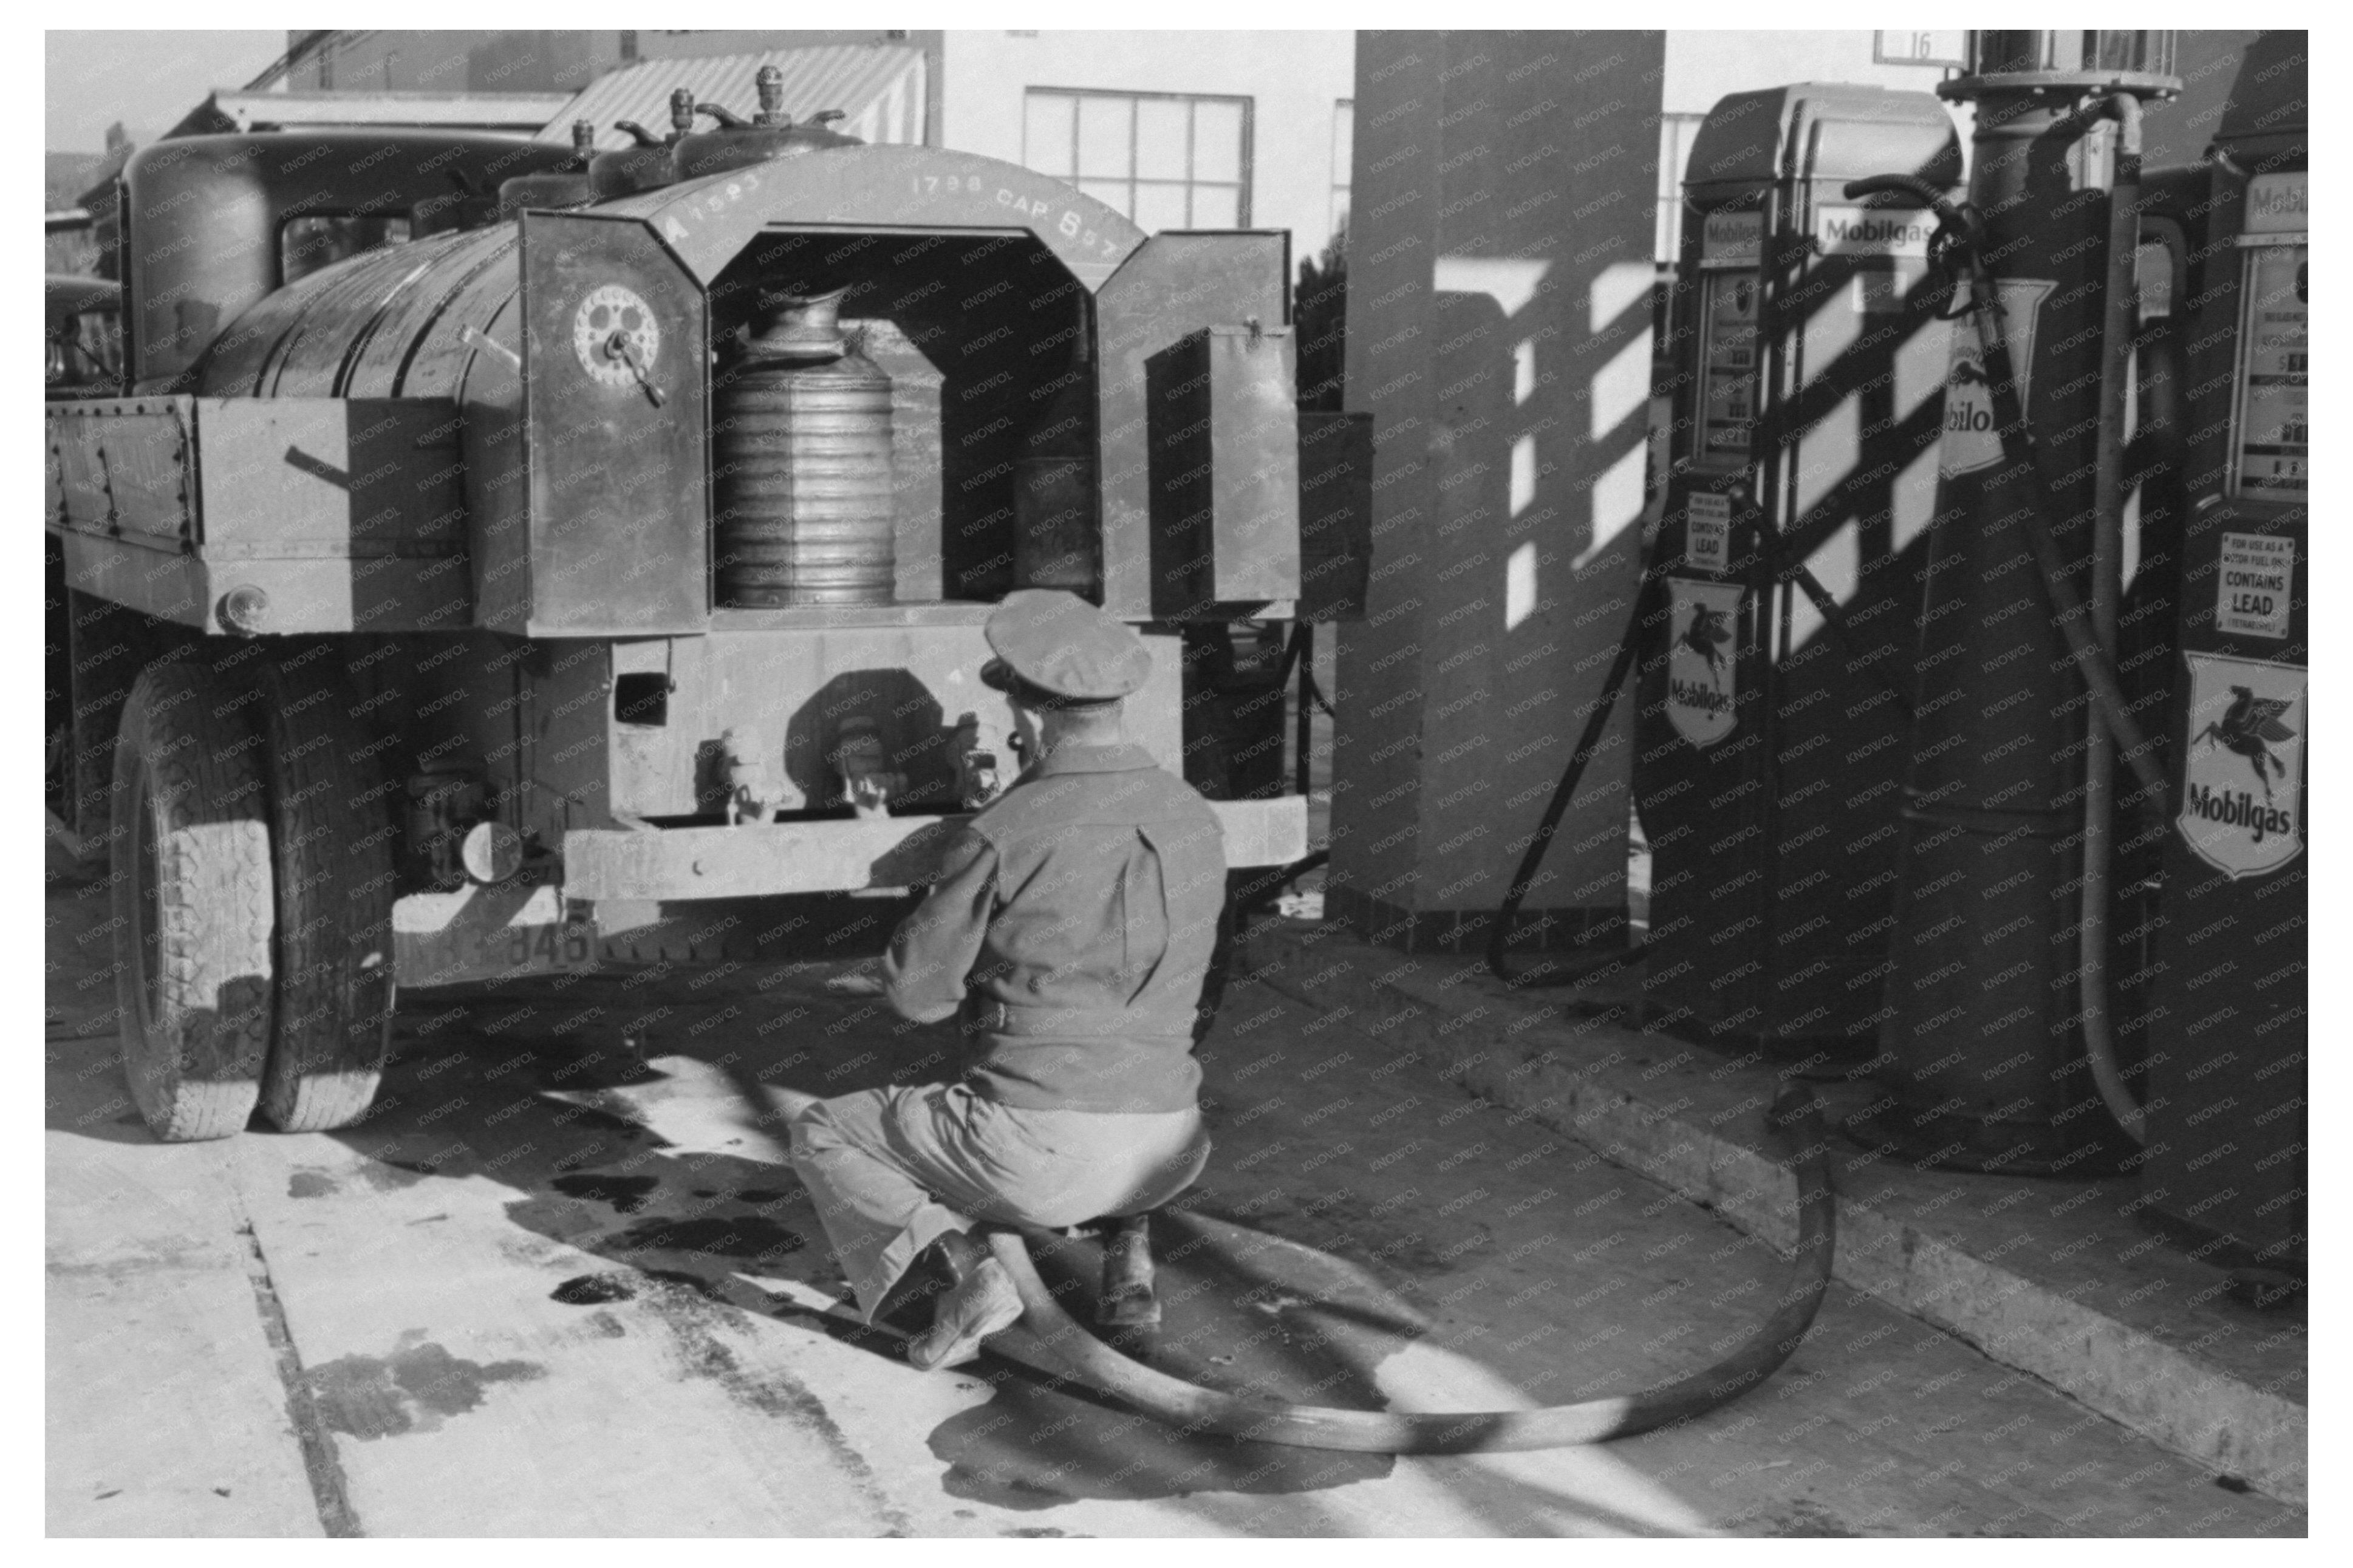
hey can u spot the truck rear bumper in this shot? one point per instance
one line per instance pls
(751, 861)
(511, 929)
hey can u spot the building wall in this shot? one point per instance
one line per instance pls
(1500, 312)
(1294, 81)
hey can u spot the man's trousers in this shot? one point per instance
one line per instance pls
(892, 1169)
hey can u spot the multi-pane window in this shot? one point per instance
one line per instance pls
(1166, 160)
(1344, 158)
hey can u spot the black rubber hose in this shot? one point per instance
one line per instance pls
(1563, 792)
(1795, 1122)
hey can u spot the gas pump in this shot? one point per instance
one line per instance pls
(2026, 761)
(1807, 400)
(2225, 1167)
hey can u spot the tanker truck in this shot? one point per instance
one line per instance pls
(492, 548)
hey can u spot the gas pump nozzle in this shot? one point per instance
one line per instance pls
(1954, 247)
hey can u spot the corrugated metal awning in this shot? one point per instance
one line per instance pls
(880, 90)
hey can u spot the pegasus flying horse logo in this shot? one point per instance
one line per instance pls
(1706, 636)
(2250, 727)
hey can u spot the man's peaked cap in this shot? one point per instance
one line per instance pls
(1063, 649)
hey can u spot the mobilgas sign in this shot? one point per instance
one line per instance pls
(1873, 231)
(1731, 239)
(2242, 772)
(1702, 665)
(2276, 204)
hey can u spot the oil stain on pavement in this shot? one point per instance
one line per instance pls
(626, 1194)
(1038, 1442)
(410, 1390)
(748, 1236)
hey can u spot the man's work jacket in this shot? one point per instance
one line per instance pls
(1071, 927)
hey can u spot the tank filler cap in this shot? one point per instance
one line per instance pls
(770, 133)
(770, 85)
(804, 327)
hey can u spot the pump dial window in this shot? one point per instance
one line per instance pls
(612, 328)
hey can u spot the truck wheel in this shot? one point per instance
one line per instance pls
(193, 904)
(331, 825)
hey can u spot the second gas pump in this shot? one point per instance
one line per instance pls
(1810, 364)
(2224, 1119)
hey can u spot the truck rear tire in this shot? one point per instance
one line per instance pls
(332, 827)
(193, 903)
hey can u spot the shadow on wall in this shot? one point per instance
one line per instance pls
(1540, 451)
(1500, 337)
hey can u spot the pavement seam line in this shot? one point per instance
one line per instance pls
(330, 1494)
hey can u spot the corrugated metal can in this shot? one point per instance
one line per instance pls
(803, 449)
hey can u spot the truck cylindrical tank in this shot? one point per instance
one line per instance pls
(801, 443)
(207, 219)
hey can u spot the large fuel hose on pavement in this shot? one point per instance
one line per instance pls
(1796, 1125)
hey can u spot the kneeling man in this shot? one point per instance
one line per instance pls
(1071, 928)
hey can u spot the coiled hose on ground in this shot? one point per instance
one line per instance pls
(1795, 1122)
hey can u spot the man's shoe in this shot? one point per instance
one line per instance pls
(983, 1302)
(1127, 1303)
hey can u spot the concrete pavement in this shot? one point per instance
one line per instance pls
(563, 1284)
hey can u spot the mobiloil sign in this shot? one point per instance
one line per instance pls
(2225, 1162)
(1807, 371)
